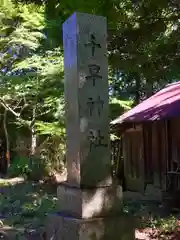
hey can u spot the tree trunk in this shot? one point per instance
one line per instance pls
(33, 134)
(149, 89)
(33, 137)
(138, 86)
(7, 139)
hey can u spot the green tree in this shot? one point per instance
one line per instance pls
(31, 73)
(143, 46)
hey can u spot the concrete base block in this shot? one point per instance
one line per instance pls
(112, 228)
(88, 203)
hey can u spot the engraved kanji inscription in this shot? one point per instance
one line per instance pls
(92, 43)
(92, 105)
(96, 140)
(94, 71)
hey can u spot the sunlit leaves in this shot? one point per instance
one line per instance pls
(125, 104)
(51, 129)
(31, 76)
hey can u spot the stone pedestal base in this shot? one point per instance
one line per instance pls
(68, 228)
(88, 203)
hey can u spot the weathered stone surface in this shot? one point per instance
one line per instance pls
(88, 203)
(151, 193)
(86, 95)
(120, 228)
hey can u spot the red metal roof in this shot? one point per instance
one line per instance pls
(162, 105)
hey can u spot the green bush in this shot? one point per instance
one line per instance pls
(52, 153)
(32, 168)
(38, 169)
(19, 167)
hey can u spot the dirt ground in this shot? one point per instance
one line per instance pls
(24, 206)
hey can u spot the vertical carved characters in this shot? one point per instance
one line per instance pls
(86, 96)
(96, 139)
(92, 43)
(94, 70)
(93, 104)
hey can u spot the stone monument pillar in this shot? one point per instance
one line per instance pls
(89, 204)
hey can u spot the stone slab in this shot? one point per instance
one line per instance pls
(86, 100)
(88, 203)
(151, 193)
(65, 228)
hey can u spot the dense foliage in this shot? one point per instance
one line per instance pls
(143, 49)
